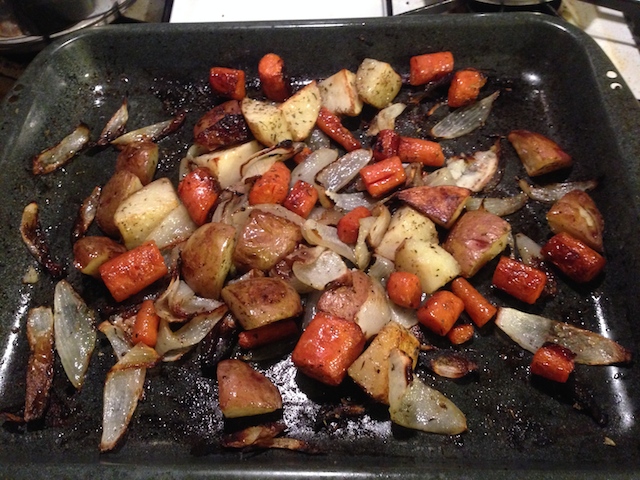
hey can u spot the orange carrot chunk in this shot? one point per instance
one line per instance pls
(272, 78)
(330, 124)
(266, 334)
(302, 155)
(465, 87)
(461, 333)
(198, 190)
(272, 186)
(440, 312)
(145, 326)
(327, 347)
(349, 225)
(573, 257)
(521, 281)
(385, 145)
(430, 66)
(382, 177)
(404, 289)
(412, 150)
(553, 362)
(132, 271)
(228, 82)
(301, 199)
(475, 304)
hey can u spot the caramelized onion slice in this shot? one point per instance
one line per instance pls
(86, 214)
(179, 302)
(41, 359)
(465, 120)
(260, 162)
(115, 126)
(412, 404)
(349, 201)
(339, 173)
(498, 206)
(530, 252)
(151, 133)
(452, 365)
(117, 337)
(33, 238)
(122, 390)
(54, 157)
(532, 331)
(554, 191)
(318, 271)
(75, 334)
(312, 165)
(326, 236)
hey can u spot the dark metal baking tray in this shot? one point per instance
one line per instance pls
(553, 79)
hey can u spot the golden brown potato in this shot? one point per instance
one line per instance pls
(139, 158)
(264, 240)
(476, 238)
(222, 126)
(206, 258)
(91, 252)
(442, 204)
(371, 369)
(120, 186)
(345, 296)
(433, 265)
(242, 391)
(538, 154)
(406, 223)
(262, 300)
(577, 214)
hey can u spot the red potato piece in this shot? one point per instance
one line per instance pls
(91, 252)
(222, 126)
(573, 257)
(346, 296)
(243, 391)
(577, 214)
(442, 204)
(328, 347)
(538, 154)
(139, 158)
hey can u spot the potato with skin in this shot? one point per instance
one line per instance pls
(405, 223)
(207, 257)
(477, 238)
(120, 186)
(443, 203)
(434, 266)
(243, 391)
(226, 164)
(264, 240)
(222, 126)
(139, 158)
(577, 214)
(371, 369)
(91, 252)
(538, 154)
(259, 301)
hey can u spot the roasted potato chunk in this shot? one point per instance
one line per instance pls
(91, 252)
(442, 204)
(434, 266)
(377, 82)
(340, 94)
(264, 240)
(261, 300)
(406, 223)
(477, 238)
(371, 369)
(345, 297)
(266, 121)
(226, 164)
(538, 154)
(140, 158)
(207, 258)
(222, 126)
(120, 186)
(243, 392)
(577, 214)
(301, 111)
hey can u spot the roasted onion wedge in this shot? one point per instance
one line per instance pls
(33, 238)
(40, 367)
(554, 191)
(151, 133)
(115, 126)
(465, 120)
(86, 214)
(532, 331)
(55, 157)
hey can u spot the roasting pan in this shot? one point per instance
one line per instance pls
(553, 79)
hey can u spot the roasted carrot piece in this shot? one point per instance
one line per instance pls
(573, 257)
(132, 271)
(269, 333)
(386, 144)
(301, 199)
(302, 155)
(404, 289)
(272, 78)
(519, 280)
(461, 333)
(330, 124)
(465, 87)
(272, 186)
(228, 82)
(145, 326)
(349, 225)
(412, 150)
(199, 192)
(430, 66)
(553, 362)
(382, 177)
(327, 347)
(475, 304)
(440, 312)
